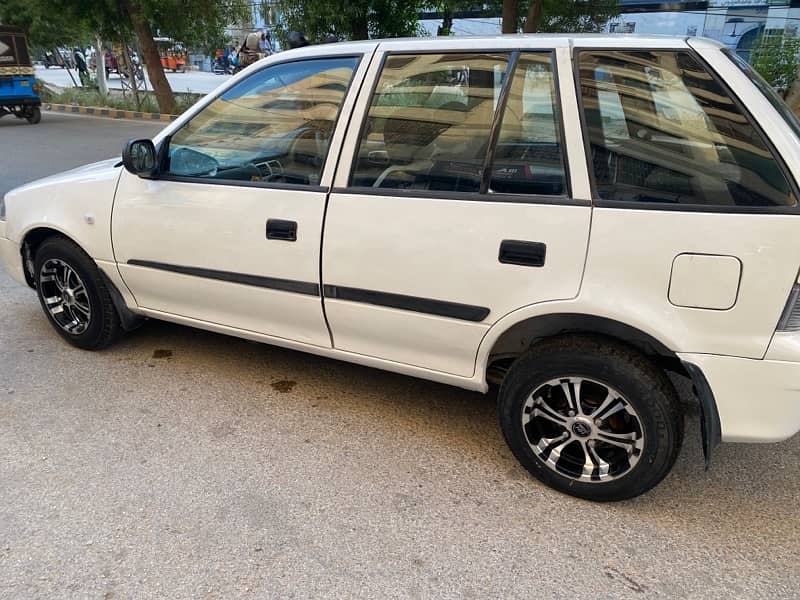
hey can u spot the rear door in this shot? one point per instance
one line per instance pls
(452, 205)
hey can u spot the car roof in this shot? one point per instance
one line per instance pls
(501, 42)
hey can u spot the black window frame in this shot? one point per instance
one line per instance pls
(565, 199)
(665, 206)
(163, 148)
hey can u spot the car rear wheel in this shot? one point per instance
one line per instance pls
(73, 295)
(591, 418)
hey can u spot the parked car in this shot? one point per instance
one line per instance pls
(570, 218)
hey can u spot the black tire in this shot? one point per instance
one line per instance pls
(103, 327)
(644, 387)
(34, 116)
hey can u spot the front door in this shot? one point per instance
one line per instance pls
(229, 234)
(456, 209)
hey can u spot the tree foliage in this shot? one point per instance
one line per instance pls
(555, 16)
(38, 20)
(355, 20)
(196, 23)
(775, 58)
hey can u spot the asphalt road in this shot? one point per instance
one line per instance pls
(183, 464)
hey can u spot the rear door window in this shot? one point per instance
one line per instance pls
(662, 129)
(429, 122)
(528, 155)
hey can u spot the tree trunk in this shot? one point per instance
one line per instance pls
(510, 16)
(534, 17)
(793, 94)
(100, 68)
(360, 27)
(152, 60)
(446, 27)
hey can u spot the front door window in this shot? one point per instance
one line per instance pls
(273, 127)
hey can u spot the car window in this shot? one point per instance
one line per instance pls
(429, 121)
(528, 154)
(662, 129)
(274, 126)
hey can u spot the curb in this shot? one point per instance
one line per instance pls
(110, 113)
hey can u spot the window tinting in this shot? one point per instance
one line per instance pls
(429, 121)
(275, 126)
(527, 157)
(662, 129)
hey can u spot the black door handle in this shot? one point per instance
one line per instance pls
(278, 229)
(527, 254)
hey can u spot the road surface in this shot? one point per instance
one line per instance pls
(184, 464)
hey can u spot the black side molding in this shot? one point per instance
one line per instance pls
(519, 252)
(710, 425)
(285, 285)
(441, 308)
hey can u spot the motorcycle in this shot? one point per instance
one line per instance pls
(220, 67)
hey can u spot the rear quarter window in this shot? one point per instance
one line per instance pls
(663, 130)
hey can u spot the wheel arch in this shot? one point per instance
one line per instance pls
(521, 335)
(31, 240)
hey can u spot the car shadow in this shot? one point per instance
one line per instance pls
(449, 419)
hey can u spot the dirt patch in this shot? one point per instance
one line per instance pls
(284, 386)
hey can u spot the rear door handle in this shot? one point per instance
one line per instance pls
(518, 252)
(278, 229)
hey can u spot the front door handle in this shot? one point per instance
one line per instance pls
(278, 229)
(518, 252)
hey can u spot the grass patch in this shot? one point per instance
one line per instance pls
(115, 99)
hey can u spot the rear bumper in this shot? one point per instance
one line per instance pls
(11, 259)
(20, 101)
(757, 400)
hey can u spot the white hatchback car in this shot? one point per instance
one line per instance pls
(568, 216)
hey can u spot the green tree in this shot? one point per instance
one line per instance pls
(775, 58)
(553, 16)
(43, 30)
(197, 23)
(355, 20)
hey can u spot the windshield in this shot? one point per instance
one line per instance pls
(768, 91)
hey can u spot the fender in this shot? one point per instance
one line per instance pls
(549, 318)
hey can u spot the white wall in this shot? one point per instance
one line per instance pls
(666, 23)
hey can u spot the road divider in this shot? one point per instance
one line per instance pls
(110, 113)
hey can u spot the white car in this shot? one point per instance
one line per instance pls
(570, 217)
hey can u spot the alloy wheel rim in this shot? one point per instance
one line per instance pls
(65, 296)
(583, 429)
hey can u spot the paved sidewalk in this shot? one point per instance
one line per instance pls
(197, 82)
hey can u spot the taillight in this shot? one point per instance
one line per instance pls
(790, 319)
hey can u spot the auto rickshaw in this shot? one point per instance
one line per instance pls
(19, 92)
(173, 56)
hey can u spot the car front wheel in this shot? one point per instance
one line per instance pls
(73, 295)
(591, 418)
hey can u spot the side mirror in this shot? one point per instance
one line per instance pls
(139, 157)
